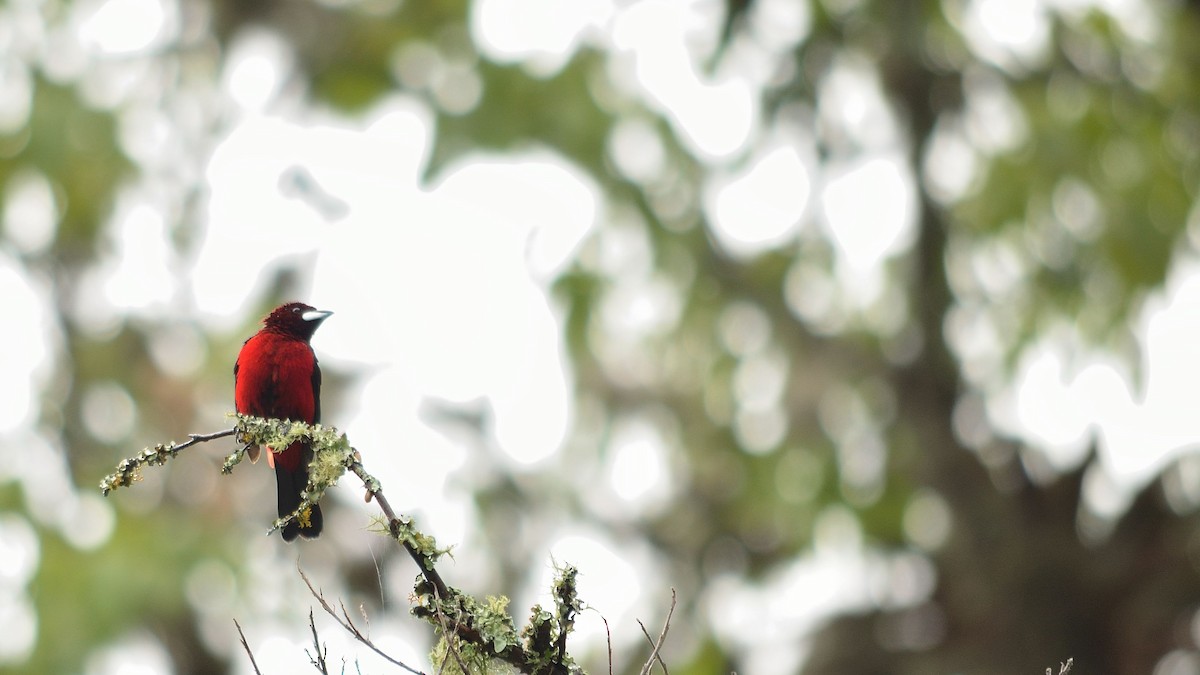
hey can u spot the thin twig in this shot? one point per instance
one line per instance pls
(204, 438)
(318, 660)
(449, 637)
(246, 646)
(349, 626)
(661, 638)
(1063, 668)
(608, 638)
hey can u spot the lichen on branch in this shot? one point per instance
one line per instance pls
(332, 455)
(482, 636)
(475, 634)
(129, 470)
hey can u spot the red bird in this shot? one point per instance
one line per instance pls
(276, 375)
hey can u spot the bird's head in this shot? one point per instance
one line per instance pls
(296, 319)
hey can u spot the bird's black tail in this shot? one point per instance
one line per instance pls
(290, 483)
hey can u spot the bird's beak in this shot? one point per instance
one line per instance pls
(317, 315)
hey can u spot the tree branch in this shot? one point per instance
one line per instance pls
(399, 529)
(484, 628)
(129, 471)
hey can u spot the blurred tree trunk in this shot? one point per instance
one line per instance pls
(1017, 589)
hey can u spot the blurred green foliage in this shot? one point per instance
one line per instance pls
(1107, 119)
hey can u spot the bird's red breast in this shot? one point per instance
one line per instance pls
(275, 379)
(276, 375)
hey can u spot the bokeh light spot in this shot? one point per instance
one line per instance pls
(30, 211)
(19, 551)
(18, 625)
(760, 209)
(108, 412)
(86, 520)
(927, 520)
(26, 345)
(870, 210)
(120, 27)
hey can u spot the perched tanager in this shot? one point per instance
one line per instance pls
(276, 375)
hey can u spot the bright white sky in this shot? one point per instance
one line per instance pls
(440, 289)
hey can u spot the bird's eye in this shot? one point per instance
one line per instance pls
(295, 310)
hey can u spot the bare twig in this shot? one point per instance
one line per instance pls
(348, 624)
(1063, 668)
(204, 438)
(608, 638)
(318, 656)
(654, 655)
(246, 646)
